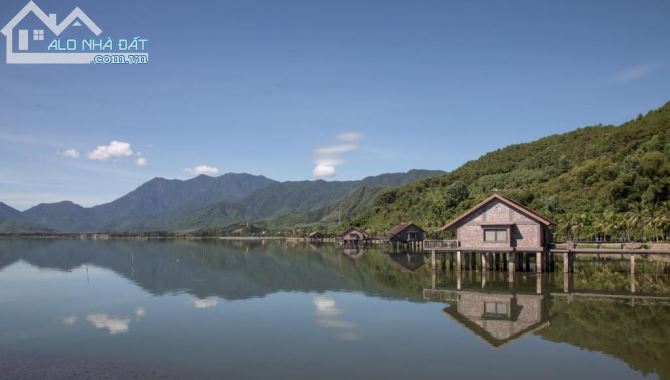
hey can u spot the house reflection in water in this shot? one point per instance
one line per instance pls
(406, 262)
(499, 318)
(354, 253)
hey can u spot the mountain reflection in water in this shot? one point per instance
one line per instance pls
(593, 309)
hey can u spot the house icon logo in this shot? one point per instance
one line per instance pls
(21, 37)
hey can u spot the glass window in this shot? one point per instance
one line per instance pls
(501, 235)
(501, 308)
(495, 234)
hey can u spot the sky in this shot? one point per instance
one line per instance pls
(337, 90)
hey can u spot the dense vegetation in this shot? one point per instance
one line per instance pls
(600, 182)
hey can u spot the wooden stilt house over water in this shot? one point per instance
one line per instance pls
(354, 236)
(315, 236)
(408, 234)
(503, 233)
(500, 223)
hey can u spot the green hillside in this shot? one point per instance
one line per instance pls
(596, 181)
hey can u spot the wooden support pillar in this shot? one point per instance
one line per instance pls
(538, 285)
(632, 264)
(527, 261)
(538, 262)
(510, 267)
(433, 261)
(434, 282)
(458, 278)
(566, 264)
(458, 261)
(483, 266)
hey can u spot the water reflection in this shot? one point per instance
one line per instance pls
(323, 296)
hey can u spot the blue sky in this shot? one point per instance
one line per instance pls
(341, 89)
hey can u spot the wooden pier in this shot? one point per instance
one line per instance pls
(524, 260)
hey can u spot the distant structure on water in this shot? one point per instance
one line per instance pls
(354, 237)
(408, 234)
(315, 237)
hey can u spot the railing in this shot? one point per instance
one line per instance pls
(440, 244)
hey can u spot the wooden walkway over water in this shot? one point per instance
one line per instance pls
(512, 259)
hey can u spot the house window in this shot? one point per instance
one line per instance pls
(413, 236)
(38, 35)
(495, 234)
(495, 308)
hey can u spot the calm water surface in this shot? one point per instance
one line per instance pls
(252, 310)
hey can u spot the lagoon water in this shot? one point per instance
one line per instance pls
(258, 310)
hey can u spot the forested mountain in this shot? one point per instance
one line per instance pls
(151, 206)
(600, 181)
(7, 212)
(162, 204)
(292, 203)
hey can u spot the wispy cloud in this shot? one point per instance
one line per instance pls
(329, 316)
(635, 72)
(328, 157)
(70, 153)
(350, 136)
(202, 169)
(141, 161)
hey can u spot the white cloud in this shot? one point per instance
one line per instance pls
(328, 157)
(70, 153)
(115, 325)
(141, 161)
(350, 136)
(204, 303)
(203, 169)
(322, 170)
(140, 312)
(335, 149)
(114, 149)
(634, 72)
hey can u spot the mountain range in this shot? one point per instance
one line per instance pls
(597, 182)
(204, 201)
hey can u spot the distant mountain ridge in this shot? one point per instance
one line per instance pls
(163, 204)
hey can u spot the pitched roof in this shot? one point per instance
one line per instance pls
(352, 229)
(51, 23)
(515, 205)
(401, 227)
